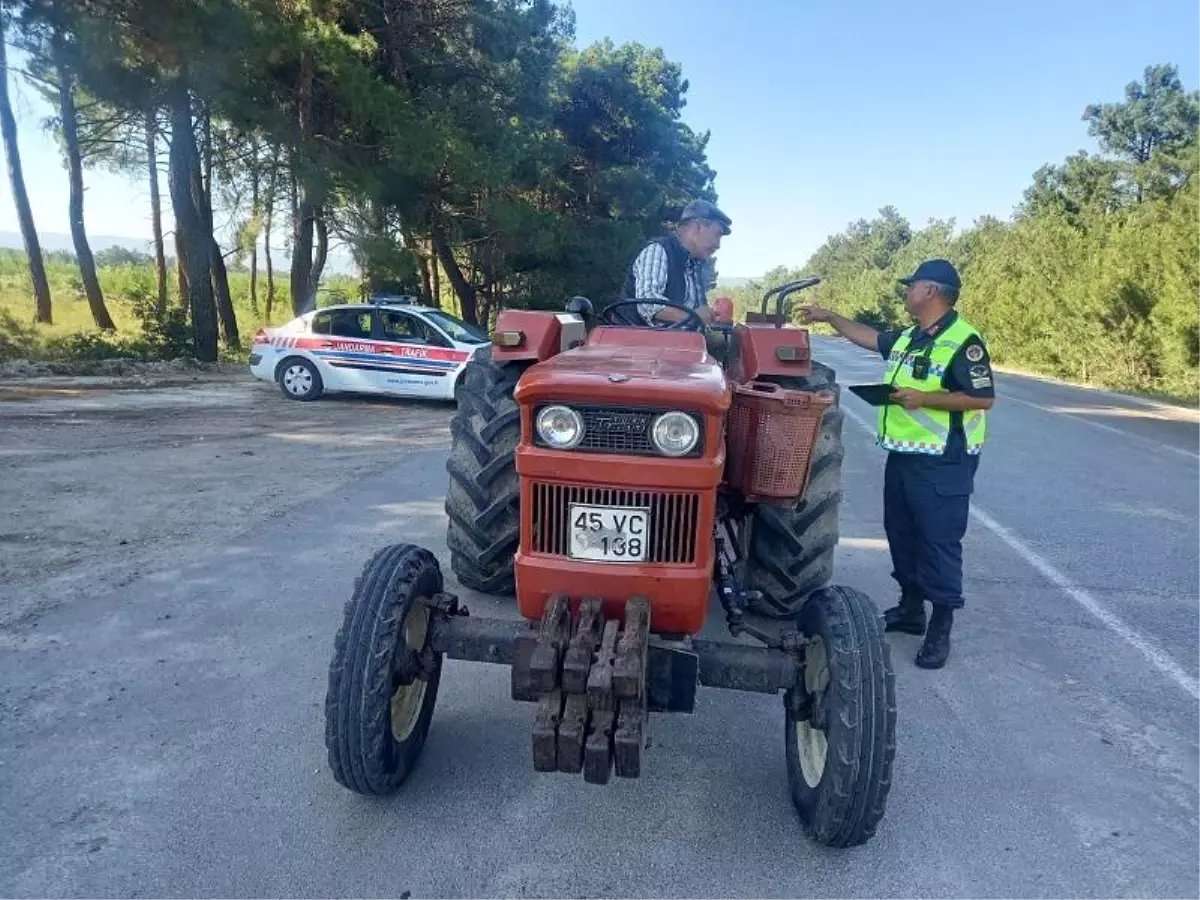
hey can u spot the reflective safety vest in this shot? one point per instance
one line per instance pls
(926, 430)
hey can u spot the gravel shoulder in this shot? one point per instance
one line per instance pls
(107, 478)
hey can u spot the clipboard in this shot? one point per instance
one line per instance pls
(875, 394)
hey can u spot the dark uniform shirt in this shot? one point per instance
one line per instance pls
(970, 372)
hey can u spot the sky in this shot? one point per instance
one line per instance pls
(821, 113)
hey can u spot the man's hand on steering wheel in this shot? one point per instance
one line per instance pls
(670, 316)
(695, 319)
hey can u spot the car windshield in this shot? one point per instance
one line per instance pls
(457, 329)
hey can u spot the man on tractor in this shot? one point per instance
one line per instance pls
(674, 268)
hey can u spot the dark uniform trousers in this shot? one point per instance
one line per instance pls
(926, 501)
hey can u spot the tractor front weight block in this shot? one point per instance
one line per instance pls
(595, 680)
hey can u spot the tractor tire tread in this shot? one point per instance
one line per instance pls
(358, 699)
(851, 799)
(792, 547)
(483, 495)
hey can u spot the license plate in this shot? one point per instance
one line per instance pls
(609, 533)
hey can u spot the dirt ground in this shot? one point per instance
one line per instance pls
(106, 479)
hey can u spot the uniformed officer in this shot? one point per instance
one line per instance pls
(933, 430)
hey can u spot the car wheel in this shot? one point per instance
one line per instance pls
(299, 379)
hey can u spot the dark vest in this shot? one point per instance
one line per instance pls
(677, 257)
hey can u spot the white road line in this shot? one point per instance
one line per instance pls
(1157, 657)
(1190, 414)
(1149, 442)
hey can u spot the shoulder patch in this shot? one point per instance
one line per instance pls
(974, 353)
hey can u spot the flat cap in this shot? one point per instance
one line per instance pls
(702, 209)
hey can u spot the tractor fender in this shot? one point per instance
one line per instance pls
(764, 350)
(522, 334)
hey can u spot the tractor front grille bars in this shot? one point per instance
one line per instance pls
(673, 518)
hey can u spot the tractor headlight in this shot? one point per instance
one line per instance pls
(560, 427)
(675, 433)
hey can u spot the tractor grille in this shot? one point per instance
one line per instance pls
(615, 429)
(673, 518)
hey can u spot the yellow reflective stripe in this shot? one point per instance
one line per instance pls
(929, 422)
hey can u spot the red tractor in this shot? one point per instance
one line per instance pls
(611, 476)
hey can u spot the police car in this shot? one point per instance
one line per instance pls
(388, 346)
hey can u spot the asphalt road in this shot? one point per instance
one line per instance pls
(165, 739)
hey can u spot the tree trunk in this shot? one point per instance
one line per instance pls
(180, 259)
(160, 255)
(437, 277)
(216, 262)
(269, 211)
(83, 251)
(16, 178)
(414, 247)
(426, 279)
(228, 316)
(202, 186)
(318, 266)
(254, 212)
(304, 203)
(190, 226)
(302, 247)
(207, 156)
(467, 300)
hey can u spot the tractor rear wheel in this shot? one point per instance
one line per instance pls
(792, 546)
(483, 496)
(380, 699)
(840, 739)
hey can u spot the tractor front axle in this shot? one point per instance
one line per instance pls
(595, 681)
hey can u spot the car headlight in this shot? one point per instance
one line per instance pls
(560, 427)
(675, 433)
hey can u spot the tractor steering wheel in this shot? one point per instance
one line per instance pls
(605, 317)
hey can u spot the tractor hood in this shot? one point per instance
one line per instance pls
(635, 367)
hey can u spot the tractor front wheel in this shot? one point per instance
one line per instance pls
(840, 724)
(381, 694)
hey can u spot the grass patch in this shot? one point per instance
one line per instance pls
(129, 291)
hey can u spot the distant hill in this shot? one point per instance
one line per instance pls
(339, 262)
(53, 241)
(732, 281)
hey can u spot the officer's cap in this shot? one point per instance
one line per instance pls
(702, 209)
(940, 270)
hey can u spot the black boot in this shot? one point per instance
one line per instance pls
(908, 616)
(936, 649)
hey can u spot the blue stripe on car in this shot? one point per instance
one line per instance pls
(390, 357)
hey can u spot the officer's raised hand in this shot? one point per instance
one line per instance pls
(863, 335)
